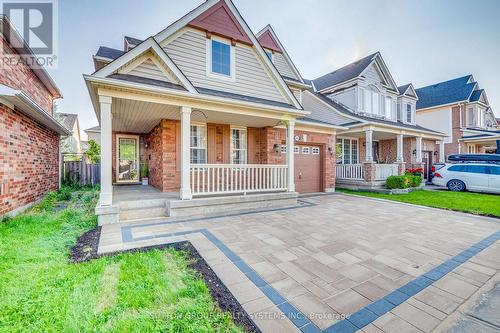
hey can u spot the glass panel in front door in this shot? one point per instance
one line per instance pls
(127, 160)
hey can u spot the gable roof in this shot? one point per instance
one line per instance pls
(447, 92)
(268, 30)
(149, 45)
(407, 90)
(68, 120)
(267, 40)
(109, 53)
(9, 32)
(402, 89)
(220, 20)
(132, 41)
(229, 6)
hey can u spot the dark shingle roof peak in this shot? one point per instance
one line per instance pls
(345, 73)
(107, 52)
(402, 89)
(446, 92)
(132, 40)
(66, 119)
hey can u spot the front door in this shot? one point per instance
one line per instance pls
(127, 149)
(427, 160)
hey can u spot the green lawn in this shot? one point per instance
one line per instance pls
(141, 292)
(475, 203)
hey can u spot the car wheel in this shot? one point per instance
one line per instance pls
(456, 185)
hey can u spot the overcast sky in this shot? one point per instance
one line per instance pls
(422, 42)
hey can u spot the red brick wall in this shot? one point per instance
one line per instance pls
(19, 76)
(452, 148)
(29, 160)
(162, 155)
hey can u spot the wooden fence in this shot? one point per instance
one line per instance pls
(82, 173)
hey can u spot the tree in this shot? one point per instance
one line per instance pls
(94, 152)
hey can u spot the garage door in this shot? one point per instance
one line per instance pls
(307, 169)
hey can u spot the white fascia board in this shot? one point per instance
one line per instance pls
(148, 44)
(330, 89)
(386, 70)
(483, 138)
(442, 105)
(18, 99)
(297, 84)
(186, 94)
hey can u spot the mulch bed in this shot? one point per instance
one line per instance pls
(86, 246)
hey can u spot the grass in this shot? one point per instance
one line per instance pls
(474, 203)
(140, 292)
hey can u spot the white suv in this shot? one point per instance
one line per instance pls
(475, 177)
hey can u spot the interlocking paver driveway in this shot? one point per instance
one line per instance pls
(342, 253)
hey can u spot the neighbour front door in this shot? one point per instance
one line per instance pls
(427, 160)
(127, 169)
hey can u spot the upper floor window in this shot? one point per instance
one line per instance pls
(408, 113)
(388, 107)
(221, 58)
(370, 102)
(198, 144)
(475, 117)
(238, 145)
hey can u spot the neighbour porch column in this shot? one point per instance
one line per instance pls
(369, 145)
(399, 149)
(441, 152)
(418, 158)
(185, 192)
(106, 196)
(290, 156)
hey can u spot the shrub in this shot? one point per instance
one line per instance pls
(397, 182)
(416, 181)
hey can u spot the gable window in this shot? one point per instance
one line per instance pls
(198, 144)
(388, 106)
(399, 112)
(221, 58)
(408, 113)
(238, 145)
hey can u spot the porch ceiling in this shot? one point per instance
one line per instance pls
(134, 116)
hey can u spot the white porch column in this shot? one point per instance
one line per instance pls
(399, 149)
(106, 196)
(185, 153)
(369, 145)
(290, 156)
(418, 158)
(441, 152)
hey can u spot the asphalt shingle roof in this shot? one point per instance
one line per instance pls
(343, 74)
(220, 93)
(446, 92)
(145, 80)
(476, 95)
(107, 52)
(343, 109)
(68, 120)
(133, 41)
(403, 88)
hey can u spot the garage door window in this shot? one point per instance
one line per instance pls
(296, 149)
(315, 150)
(306, 150)
(347, 151)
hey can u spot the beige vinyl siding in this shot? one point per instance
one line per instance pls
(188, 51)
(320, 111)
(149, 70)
(283, 67)
(297, 93)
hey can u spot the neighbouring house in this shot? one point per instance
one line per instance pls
(29, 134)
(209, 109)
(460, 109)
(71, 146)
(94, 133)
(382, 137)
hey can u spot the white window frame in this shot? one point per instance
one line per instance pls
(239, 128)
(203, 141)
(137, 157)
(296, 149)
(388, 107)
(232, 66)
(356, 142)
(471, 149)
(306, 150)
(406, 113)
(283, 149)
(315, 150)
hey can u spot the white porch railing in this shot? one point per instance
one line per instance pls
(349, 171)
(210, 179)
(382, 171)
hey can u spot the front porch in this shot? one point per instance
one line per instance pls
(367, 156)
(194, 155)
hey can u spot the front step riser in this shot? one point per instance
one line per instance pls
(136, 214)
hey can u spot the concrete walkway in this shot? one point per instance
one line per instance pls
(390, 267)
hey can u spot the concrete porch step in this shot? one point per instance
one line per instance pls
(141, 204)
(142, 213)
(230, 204)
